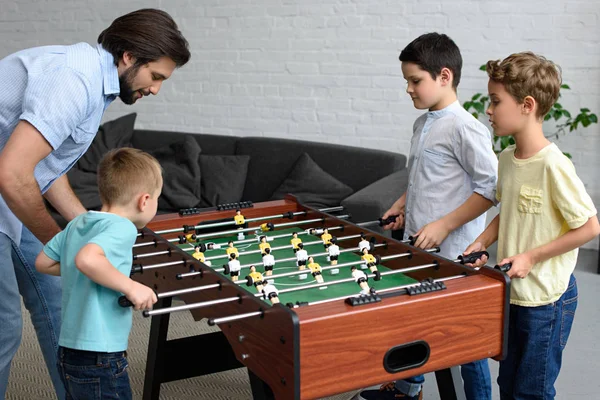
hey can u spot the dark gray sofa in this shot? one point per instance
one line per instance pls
(377, 178)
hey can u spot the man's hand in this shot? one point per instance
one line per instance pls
(141, 296)
(474, 247)
(521, 265)
(432, 235)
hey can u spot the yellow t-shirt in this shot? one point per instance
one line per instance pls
(256, 276)
(295, 242)
(230, 250)
(314, 267)
(369, 258)
(541, 198)
(198, 255)
(263, 246)
(326, 238)
(239, 219)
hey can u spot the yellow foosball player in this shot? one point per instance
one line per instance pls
(199, 255)
(295, 241)
(370, 259)
(315, 269)
(326, 238)
(231, 249)
(263, 245)
(240, 222)
(255, 278)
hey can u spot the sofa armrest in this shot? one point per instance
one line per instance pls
(372, 201)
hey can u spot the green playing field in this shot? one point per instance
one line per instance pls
(309, 293)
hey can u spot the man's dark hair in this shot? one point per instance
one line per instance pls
(148, 34)
(432, 52)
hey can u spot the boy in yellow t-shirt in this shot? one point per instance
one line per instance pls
(545, 216)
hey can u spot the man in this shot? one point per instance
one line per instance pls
(52, 100)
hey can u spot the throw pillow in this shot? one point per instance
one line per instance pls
(312, 186)
(223, 178)
(181, 174)
(111, 135)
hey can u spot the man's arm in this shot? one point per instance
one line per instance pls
(435, 233)
(63, 199)
(25, 148)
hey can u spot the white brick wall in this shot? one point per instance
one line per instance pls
(328, 70)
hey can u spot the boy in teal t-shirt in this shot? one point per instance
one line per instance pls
(93, 255)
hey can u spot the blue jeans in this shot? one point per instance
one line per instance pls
(42, 297)
(476, 377)
(89, 375)
(537, 337)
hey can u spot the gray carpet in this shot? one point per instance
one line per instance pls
(578, 379)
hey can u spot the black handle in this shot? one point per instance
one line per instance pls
(124, 302)
(504, 267)
(389, 220)
(413, 240)
(472, 257)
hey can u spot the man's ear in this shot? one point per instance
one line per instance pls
(128, 59)
(446, 76)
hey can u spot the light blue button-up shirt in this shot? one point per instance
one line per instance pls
(63, 92)
(451, 157)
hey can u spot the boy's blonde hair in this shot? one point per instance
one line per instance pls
(527, 74)
(125, 172)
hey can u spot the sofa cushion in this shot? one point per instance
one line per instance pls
(111, 135)
(312, 185)
(223, 178)
(181, 174)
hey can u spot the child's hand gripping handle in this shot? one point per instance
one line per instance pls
(504, 267)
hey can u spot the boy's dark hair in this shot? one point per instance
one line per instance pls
(432, 52)
(148, 34)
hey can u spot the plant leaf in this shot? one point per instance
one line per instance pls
(564, 86)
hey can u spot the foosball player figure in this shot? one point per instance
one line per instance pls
(315, 269)
(361, 278)
(364, 243)
(240, 221)
(263, 245)
(334, 251)
(370, 259)
(326, 238)
(271, 293)
(234, 267)
(267, 226)
(212, 246)
(231, 250)
(255, 278)
(301, 256)
(268, 261)
(295, 241)
(190, 237)
(198, 254)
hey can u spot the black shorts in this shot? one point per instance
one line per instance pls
(301, 262)
(272, 295)
(316, 273)
(371, 265)
(295, 250)
(361, 280)
(268, 268)
(258, 283)
(333, 258)
(235, 273)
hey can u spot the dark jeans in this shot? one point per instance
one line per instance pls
(88, 375)
(537, 337)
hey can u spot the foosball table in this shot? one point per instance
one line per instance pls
(359, 310)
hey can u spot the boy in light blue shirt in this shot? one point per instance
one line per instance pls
(452, 179)
(94, 258)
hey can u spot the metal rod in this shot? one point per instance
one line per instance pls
(167, 310)
(180, 292)
(216, 321)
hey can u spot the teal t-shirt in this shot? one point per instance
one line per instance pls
(92, 319)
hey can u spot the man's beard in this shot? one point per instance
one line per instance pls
(126, 92)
